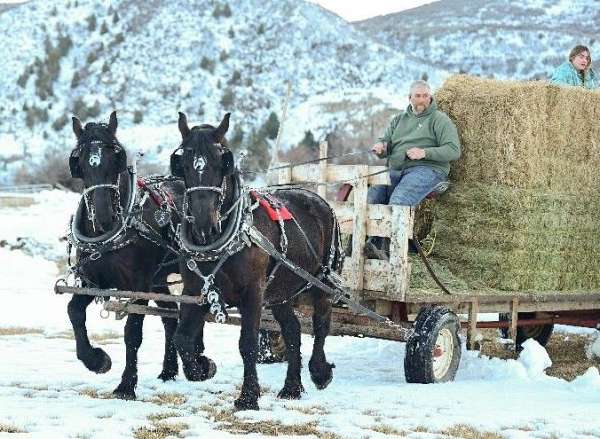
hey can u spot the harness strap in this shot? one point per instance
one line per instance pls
(336, 293)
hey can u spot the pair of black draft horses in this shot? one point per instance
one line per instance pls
(124, 238)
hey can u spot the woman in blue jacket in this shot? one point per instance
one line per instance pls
(577, 71)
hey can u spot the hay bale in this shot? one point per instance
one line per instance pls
(530, 135)
(523, 212)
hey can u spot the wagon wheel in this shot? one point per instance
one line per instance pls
(271, 347)
(433, 351)
(540, 333)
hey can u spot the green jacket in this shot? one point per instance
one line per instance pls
(431, 130)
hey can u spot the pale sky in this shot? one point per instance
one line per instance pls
(353, 10)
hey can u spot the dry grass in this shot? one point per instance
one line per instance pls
(160, 430)
(388, 430)
(155, 417)
(168, 398)
(467, 432)
(566, 351)
(7, 428)
(102, 338)
(310, 410)
(19, 330)
(229, 422)
(93, 393)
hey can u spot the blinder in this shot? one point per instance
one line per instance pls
(75, 167)
(74, 164)
(176, 165)
(228, 165)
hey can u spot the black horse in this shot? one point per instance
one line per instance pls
(116, 250)
(218, 213)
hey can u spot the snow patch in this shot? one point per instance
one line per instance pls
(534, 358)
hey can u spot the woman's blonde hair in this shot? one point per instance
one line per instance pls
(577, 50)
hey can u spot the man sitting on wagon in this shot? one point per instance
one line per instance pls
(419, 145)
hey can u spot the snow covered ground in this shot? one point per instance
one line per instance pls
(45, 392)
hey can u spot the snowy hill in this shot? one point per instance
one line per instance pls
(151, 59)
(523, 40)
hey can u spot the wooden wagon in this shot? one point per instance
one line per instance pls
(428, 321)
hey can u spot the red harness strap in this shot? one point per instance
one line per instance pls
(274, 208)
(158, 197)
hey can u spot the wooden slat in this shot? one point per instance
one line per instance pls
(379, 222)
(359, 231)
(335, 173)
(284, 175)
(399, 264)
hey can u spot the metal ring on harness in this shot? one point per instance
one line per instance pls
(95, 256)
(220, 317)
(212, 297)
(191, 265)
(104, 314)
(61, 281)
(215, 308)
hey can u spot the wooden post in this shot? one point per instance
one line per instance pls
(399, 265)
(514, 316)
(322, 187)
(359, 234)
(473, 342)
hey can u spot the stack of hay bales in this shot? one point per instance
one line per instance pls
(523, 211)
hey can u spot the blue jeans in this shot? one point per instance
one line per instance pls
(408, 187)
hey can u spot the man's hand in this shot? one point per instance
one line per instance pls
(378, 148)
(415, 153)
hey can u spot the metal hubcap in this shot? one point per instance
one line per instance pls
(442, 354)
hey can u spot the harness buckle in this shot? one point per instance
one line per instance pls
(95, 256)
(191, 265)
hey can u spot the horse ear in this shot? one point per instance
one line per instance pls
(112, 123)
(184, 129)
(222, 128)
(77, 128)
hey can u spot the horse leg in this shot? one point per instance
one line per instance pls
(321, 372)
(250, 310)
(170, 364)
(133, 341)
(188, 341)
(206, 364)
(290, 330)
(95, 359)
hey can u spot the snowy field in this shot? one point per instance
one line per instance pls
(45, 392)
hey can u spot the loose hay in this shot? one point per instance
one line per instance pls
(523, 212)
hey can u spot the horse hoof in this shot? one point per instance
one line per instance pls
(246, 404)
(208, 366)
(125, 394)
(167, 375)
(101, 362)
(291, 392)
(321, 376)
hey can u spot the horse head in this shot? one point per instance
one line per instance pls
(99, 159)
(204, 162)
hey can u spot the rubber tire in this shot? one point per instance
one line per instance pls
(418, 361)
(540, 333)
(271, 347)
